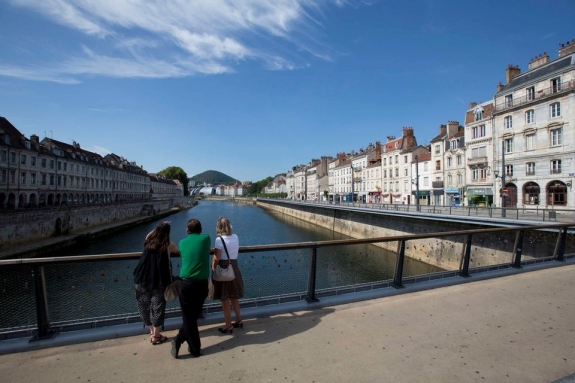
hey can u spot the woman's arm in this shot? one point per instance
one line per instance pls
(173, 248)
(216, 258)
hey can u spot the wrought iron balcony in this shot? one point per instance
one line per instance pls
(437, 184)
(539, 95)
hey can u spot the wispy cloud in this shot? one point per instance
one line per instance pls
(100, 150)
(151, 39)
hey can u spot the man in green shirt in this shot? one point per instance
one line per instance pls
(193, 288)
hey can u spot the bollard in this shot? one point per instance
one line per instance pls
(311, 297)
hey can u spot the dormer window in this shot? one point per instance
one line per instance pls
(27, 144)
(478, 114)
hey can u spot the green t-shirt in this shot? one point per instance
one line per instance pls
(195, 253)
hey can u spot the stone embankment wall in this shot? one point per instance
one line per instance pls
(443, 252)
(24, 226)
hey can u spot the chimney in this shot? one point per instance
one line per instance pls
(35, 139)
(511, 72)
(452, 128)
(442, 130)
(499, 87)
(390, 138)
(377, 149)
(537, 61)
(567, 48)
(472, 105)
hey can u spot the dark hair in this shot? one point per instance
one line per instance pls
(194, 226)
(159, 239)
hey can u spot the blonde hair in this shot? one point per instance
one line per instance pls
(223, 226)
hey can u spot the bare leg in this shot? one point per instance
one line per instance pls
(236, 305)
(227, 309)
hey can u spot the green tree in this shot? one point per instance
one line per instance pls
(176, 173)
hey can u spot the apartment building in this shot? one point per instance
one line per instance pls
(331, 166)
(533, 129)
(396, 160)
(447, 148)
(479, 141)
(422, 172)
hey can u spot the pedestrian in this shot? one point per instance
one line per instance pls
(151, 276)
(227, 246)
(193, 287)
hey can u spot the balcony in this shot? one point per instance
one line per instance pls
(474, 161)
(437, 184)
(540, 95)
(555, 171)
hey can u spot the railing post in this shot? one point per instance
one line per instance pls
(312, 277)
(560, 246)
(399, 265)
(464, 270)
(517, 249)
(42, 318)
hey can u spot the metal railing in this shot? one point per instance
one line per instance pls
(521, 212)
(42, 296)
(538, 96)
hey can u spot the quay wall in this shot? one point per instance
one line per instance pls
(443, 252)
(23, 226)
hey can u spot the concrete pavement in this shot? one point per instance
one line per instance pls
(518, 328)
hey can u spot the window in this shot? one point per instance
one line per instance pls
(509, 100)
(23, 178)
(555, 166)
(459, 179)
(12, 157)
(508, 122)
(555, 84)
(51, 180)
(3, 155)
(449, 180)
(396, 159)
(405, 186)
(478, 174)
(437, 165)
(530, 141)
(51, 164)
(530, 93)
(509, 170)
(480, 151)
(59, 165)
(425, 181)
(425, 167)
(384, 161)
(555, 137)
(405, 172)
(437, 149)
(530, 116)
(530, 169)
(3, 176)
(33, 160)
(449, 162)
(12, 176)
(454, 144)
(478, 131)
(397, 172)
(43, 179)
(22, 159)
(32, 178)
(509, 145)
(65, 166)
(555, 109)
(404, 159)
(43, 163)
(478, 115)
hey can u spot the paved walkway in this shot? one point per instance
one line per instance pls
(518, 328)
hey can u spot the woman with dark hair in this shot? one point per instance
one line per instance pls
(227, 246)
(151, 276)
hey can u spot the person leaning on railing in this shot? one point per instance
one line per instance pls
(151, 276)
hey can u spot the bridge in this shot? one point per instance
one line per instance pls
(509, 321)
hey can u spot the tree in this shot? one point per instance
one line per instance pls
(176, 173)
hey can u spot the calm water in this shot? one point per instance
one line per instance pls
(104, 289)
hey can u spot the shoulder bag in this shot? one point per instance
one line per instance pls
(224, 271)
(171, 291)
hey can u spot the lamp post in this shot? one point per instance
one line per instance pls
(417, 182)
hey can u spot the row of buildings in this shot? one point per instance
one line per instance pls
(516, 149)
(36, 173)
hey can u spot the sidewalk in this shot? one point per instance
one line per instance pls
(519, 328)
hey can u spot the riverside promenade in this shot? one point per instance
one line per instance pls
(518, 326)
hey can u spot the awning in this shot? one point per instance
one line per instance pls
(479, 191)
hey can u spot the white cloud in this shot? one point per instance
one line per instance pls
(100, 150)
(157, 39)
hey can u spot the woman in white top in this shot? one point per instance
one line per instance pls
(228, 292)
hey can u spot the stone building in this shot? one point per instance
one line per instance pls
(396, 161)
(447, 148)
(533, 129)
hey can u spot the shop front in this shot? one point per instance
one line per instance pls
(424, 197)
(479, 196)
(453, 197)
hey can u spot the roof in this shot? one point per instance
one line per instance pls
(555, 66)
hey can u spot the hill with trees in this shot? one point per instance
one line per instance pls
(212, 177)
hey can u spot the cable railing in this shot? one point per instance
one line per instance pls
(42, 296)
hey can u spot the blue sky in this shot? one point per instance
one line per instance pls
(253, 87)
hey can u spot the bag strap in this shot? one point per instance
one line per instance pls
(170, 263)
(225, 247)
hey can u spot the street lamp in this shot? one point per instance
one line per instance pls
(417, 182)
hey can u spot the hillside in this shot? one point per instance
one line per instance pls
(213, 177)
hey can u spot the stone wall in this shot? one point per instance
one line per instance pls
(444, 252)
(23, 226)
